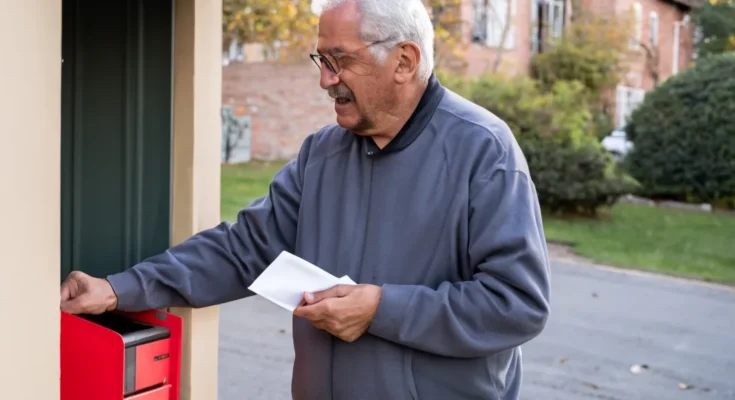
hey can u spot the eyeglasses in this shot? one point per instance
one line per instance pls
(332, 63)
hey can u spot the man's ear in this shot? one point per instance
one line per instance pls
(409, 56)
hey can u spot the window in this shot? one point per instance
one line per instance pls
(547, 21)
(490, 18)
(627, 99)
(555, 17)
(653, 28)
(635, 41)
(479, 21)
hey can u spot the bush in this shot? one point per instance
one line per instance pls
(559, 114)
(684, 135)
(571, 170)
(575, 179)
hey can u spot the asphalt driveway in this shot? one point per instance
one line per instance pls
(680, 336)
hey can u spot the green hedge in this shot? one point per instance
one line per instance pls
(684, 135)
(570, 168)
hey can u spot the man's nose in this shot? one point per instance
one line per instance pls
(327, 78)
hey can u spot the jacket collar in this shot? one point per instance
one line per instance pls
(415, 124)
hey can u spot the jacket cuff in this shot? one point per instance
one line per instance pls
(126, 288)
(387, 320)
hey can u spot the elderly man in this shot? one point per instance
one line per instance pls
(421, 197)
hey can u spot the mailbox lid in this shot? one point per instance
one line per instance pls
(134, 333)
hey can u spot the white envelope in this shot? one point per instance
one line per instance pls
(288, 277)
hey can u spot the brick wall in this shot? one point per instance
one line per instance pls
(285, 103)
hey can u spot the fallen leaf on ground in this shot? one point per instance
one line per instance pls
(638, 368)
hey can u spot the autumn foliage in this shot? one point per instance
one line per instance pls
(288, 23)
(291, 26)
(590, 52)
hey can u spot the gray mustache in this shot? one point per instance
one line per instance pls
(336, 92)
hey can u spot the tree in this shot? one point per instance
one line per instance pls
(653, 61)
(293, 25)
(449, 46)
(590, 52)
(504, 34)
(716, 23)
(451, 41)
(289, 24)
(571, 170)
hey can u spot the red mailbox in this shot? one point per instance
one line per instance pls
(120, 356)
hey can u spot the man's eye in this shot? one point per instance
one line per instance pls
(343, 61)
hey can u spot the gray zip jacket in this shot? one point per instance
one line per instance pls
(445, 218)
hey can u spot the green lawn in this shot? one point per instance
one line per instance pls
(656, 239)
(670, 241)
(243, 183)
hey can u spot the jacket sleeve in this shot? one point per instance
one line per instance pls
(217, 265)
(507, 301)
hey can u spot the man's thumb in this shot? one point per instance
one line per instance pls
(334, 291)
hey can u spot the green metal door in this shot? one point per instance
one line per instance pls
(116, 133)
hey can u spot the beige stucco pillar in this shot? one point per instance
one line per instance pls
(196, 170)
(30, 120)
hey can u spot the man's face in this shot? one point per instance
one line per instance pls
(363, 87)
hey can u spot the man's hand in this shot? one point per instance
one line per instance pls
(344, 311)
(83, 294)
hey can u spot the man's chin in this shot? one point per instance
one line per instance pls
(346, 122)
(347, 114)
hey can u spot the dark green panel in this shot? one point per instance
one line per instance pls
(116, 133)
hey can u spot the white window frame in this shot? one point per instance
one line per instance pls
(627, 99)
(556, 26)
(553, 27)
(535, 45)
(489, 21)
(653, 27)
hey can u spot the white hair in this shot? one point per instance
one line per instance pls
(399, 20)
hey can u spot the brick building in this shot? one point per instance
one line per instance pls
(285, 102)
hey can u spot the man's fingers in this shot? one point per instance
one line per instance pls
(74, 306)
(334, 291)
(315, 312)
(305, 311)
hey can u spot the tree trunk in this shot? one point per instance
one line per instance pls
(503, 36)
(576, 10)
(653, 62)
